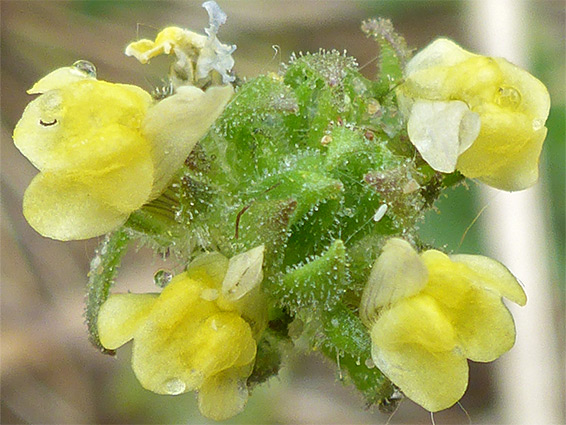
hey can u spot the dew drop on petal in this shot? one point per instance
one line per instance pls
(508, 97)
(86, 67)
(162, 277)
(175, 386)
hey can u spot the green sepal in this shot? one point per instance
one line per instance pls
(347, 342)
(263, 222)
(393, 54)
(249, 137)
(316, 285)
(371, 382)
(318, 83)
(390, 65)
(307, 188)
(345, 332)
(351, 153)
(158, 229)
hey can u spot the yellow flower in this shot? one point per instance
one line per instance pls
(104, 149)
(195, 53)
(198, 334)
(482, 116)
(428, 313)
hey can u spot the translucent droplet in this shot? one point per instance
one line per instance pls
(175, 386)
(508, 97)
(369, 363)
(537, 124)
(162, 277)
(86, 67)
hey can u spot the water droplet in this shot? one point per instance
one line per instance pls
(175, 386)
(508, 97)
(162, 277)
(86, 67)
(369, 363)
(537, 124)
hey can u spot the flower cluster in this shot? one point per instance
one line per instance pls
(482, 116)
(288, 196)
(428, 313)
(198, 334)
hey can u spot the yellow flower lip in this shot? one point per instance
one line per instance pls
(510, 104)
(192, 337)
(428, 313)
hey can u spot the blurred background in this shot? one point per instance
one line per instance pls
(50, 372)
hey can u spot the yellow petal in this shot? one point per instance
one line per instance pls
(175, 125)
(492, 275)
(164, 345)
(534, 97)
(81, 124)
(125, 183)
(59, 78)
(61, 208)
(449, 283)
(414, 345)
(225, 394)
(484, 326)
(506, 153)
(469, 292)
(224, 340)
(441, 131)
(396, 274)
(441, 52)
(210, 266)
(165, 43)
(120, 316)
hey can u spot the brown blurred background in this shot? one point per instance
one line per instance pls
(51, 374)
